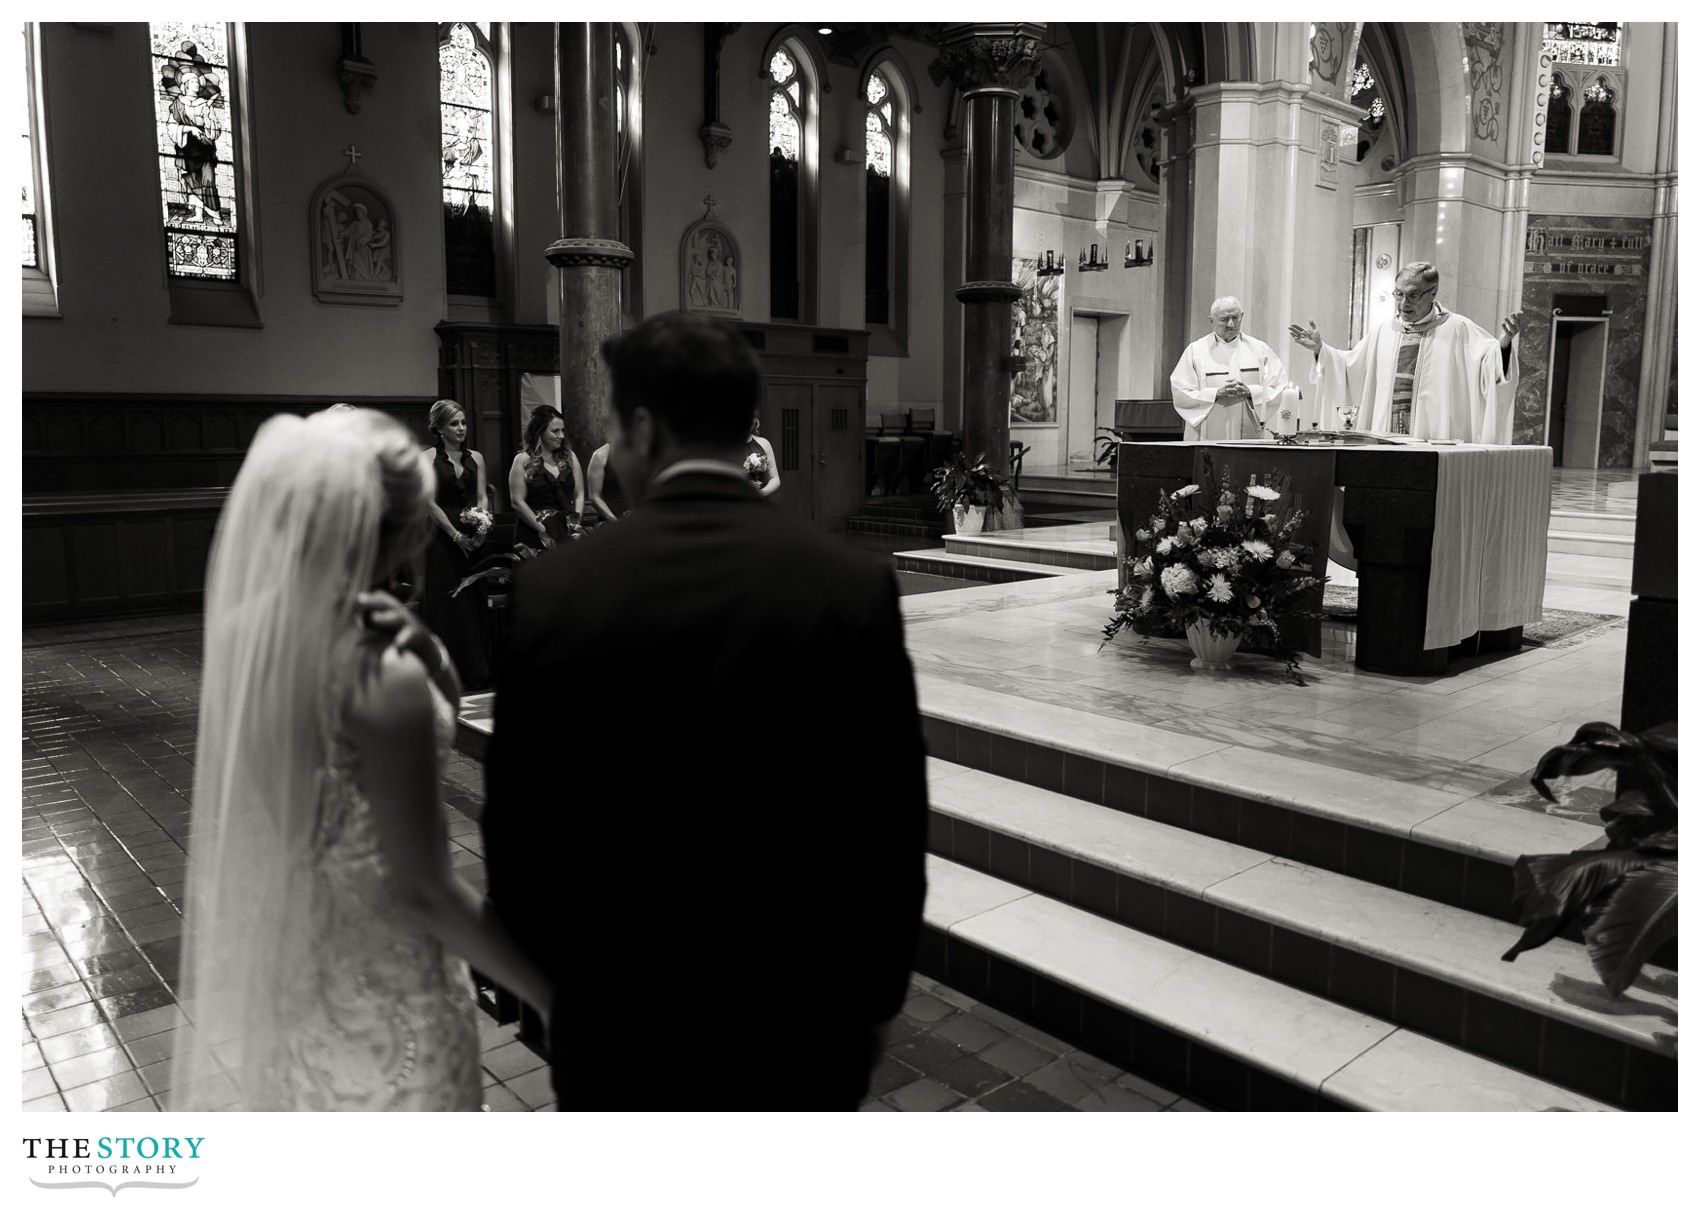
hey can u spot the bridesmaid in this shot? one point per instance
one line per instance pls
(544, 482)
(606, 495)
(459, 622)
(759, 463)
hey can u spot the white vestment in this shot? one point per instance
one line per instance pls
(1462, 389)
(1208, 365)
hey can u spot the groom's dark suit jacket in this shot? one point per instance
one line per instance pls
(727, 888)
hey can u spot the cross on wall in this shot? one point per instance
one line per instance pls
(354, 155)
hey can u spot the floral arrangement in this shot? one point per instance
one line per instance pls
(1234, 567)
(755, 467)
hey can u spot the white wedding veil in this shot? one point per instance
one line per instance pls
(298, 538)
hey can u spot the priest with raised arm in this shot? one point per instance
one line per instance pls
(1227, 383)
(1428, 372)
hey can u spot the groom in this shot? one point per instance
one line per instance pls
(727, 897)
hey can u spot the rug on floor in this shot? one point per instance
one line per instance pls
(1557, 629)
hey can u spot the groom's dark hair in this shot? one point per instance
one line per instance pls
(696, 375)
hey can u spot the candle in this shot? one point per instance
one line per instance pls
(1094, 254)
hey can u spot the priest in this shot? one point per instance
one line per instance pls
(1228, 384)
(1428, 372)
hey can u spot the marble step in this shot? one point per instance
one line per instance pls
(1589, 543)
(1427, 966)
(1448, 847)
(1593, 572)
(1228, 1036)
(1573, 522)
(1031, 547)
(897, 527)
(947, 563)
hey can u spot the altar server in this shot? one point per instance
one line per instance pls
(1228, 384)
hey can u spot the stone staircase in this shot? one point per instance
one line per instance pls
(1238, 926)
(915, 516)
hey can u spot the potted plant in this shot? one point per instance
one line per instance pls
(1107, 446)
(1219, 564)
(967, 492)
(1624, 893)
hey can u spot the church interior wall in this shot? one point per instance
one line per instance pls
(536, 220)
(115, 334)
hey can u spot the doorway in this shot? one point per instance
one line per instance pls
(1094, 376)
(1576, 381)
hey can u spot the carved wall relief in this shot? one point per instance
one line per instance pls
(1486, 41)
(709, 268)
(355, 246)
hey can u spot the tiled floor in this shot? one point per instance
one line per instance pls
(109, 727)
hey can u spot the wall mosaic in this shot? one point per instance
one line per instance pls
(1599, 255)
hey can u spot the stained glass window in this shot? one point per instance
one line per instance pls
(784, 106)
(197, 170)
(1366, 94)
(1597, 43)
(1596, 125)
(464, 95)
(31, 258)
(879, 126)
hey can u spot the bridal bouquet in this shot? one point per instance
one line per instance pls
(476, 520)
(755, 467)
(1220, 557)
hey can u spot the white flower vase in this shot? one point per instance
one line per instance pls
(969, 519)
(1210, 650)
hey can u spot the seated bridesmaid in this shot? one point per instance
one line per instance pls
(544, 482)
(606, 495)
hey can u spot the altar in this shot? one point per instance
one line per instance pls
(1449, 538)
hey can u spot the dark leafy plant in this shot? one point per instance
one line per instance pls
(495, 572)
(1106, 447)
(962, 483)
(1624, 893)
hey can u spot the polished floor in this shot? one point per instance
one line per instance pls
(109, 720)
(109, 723)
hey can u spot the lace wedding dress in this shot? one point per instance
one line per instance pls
(386, 1019)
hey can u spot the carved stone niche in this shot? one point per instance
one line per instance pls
(709, 266)
(355, 247)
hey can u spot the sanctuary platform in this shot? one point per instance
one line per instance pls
(1268, 895)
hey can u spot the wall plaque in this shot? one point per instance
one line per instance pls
(355, 245)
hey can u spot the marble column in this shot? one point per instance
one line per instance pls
(991, 64)
(589, 253)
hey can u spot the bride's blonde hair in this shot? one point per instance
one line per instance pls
(320, 507)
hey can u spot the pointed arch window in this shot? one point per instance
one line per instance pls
(200, 101)
(1584, 114)
(197, 149)
(886, 124)
(791, 183)
(40, 294)
(467, 68)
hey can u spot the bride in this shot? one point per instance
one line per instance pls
(321, 911)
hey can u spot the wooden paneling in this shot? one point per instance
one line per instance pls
(814, 412)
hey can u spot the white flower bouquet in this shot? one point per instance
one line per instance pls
(1237, 568)
(476, 521)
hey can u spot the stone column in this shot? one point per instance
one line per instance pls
(589, 253)
(991, 64)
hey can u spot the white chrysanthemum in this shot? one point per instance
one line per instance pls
(1219, 590)
(1284, 561)
(1188, 491)
(1165, 546)
(1257, 549)
(1262, 492)
(1179, 580)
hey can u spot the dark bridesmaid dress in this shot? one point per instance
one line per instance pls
(461, 622)
(545, 492)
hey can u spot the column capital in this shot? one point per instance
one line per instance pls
(588, 250)
(981, 55)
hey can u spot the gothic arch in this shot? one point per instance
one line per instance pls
(1432, 56)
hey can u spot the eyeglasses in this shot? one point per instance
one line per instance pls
(1427, 290)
